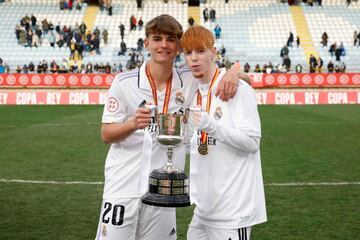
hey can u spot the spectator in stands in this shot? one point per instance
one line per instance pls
(355, 37)
(206, 14)
(17, 32)
(35, 40)
(290, 39)
(140, 24)
(359, 39)
(217, 31)
(298, 68)
(29, 35)
(18, 69)
(122, 30)
(330, 67)
(82, 29)
(343, 67)
(45, 26)
(332, 49)
(31, 67)
(123, 48)
(348, 2)
(270, 67)
(78, 5)
(212, 15)
(284, 51)
(33, 20)
(297, 41)
(1, 61)
(342, 50)
(101, 5)
(54, 67)
(246, 67)
(2, 68)
(140, 44)
(96, 45)
(133, 22)
(62, 4)
(286, 63)
(222, 50)
(139, 3)
(312, 64)
(319, 3)
(22, 37)
(257, 68)
(70, 5)
(191, 21)
(89, 68)
(97, 32)
(109, 7)
(320, 64)
(337, 54)
(105, 34)
(324, 39)
(107, 68)
(337, 68)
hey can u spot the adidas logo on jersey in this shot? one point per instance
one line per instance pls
(173, 231)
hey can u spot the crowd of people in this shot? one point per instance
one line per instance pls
(69, 66)
(77, 38)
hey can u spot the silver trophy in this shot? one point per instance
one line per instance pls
(169, 185)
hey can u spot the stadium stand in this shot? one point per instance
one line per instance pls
(253, 31)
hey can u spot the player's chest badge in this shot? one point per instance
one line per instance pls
(218, 113)
(179, 99)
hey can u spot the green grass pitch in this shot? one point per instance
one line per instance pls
(300, 144)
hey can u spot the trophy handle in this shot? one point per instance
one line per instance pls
(185, 122)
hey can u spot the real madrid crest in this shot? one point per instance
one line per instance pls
(104, 231)
(218, 113)
(179, 99)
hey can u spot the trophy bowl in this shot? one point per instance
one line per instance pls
(169, 185)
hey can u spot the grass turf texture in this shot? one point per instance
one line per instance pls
(62, 143)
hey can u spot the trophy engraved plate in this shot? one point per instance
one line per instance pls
(169, 185)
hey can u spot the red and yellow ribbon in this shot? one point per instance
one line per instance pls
(208, 102)
(154, 91)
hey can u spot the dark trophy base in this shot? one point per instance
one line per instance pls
(167, 189)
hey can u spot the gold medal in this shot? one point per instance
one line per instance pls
(218, 113)
(203, 149)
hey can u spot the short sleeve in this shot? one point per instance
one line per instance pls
(115, 109)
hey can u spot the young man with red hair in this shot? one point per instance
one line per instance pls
(225, 168)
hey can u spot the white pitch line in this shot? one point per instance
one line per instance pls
(50, 182)
(295, 184)
(312, 184)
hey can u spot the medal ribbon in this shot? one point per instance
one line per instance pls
(154, 92)
(208, 102)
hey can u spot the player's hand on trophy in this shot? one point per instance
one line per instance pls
(202, 122)
(142, 118)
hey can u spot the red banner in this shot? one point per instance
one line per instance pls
(260, 80)
(305, 80)
(98, 96)
(56, 80)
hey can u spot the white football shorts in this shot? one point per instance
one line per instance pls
(129, 219)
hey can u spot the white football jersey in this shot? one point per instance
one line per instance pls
(230, 191)
(128, 91)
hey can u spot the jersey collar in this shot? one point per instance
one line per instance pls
(143, 82)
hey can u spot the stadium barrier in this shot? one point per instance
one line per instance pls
(98, 96)
(91, 89)
(260, 80)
